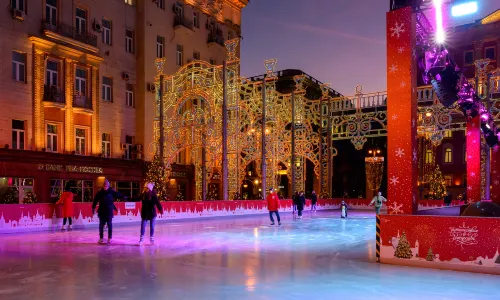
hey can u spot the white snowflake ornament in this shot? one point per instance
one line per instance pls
(403, 84)
(393, 69)
(401, 50)
(400, 152)
(394, 180)
(394, 117)
(414, 155)
(397, 29)
(395, 208)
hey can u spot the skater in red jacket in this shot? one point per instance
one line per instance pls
(273, 205)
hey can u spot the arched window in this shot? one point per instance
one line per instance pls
(448, 155)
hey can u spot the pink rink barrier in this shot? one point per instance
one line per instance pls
(44, 216)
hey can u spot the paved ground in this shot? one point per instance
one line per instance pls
(318, 257)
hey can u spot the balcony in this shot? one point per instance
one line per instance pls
(54, 96)
(183, 25)
(216, 40)
(81, 101)
(71, 35)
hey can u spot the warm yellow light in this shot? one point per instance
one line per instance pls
(282, 172)
(267, 131)
(370, 151)
(256, 181)
(245, 185)
(378, 151)
(428, 114)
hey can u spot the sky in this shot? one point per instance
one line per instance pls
(341, 42)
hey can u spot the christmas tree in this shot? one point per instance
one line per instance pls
(156, 174)
(437, 185)
(430, 255)
(29, 198)
(403, 249)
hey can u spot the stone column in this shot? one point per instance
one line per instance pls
(95, 136)
(69, 127)
(38, 106)
(401, 112)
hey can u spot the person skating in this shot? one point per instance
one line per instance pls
(66, 201)
(295, 200)
(378, 200)
(150, 203)
(301, 202)
(314, 199)
(343, 209)
(106, 200)
(273, 205)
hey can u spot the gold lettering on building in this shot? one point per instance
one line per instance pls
(70, 169)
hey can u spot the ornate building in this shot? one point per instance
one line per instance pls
(81, 83)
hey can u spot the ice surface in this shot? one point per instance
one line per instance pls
(318, 257)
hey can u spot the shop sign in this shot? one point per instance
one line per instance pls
(129, 205)
(70, 169)
(178, 175)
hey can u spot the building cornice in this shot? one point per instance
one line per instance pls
(492, 18)
(67, 52)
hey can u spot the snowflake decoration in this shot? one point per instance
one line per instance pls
(394, 180)
(413, 123)
(414, 155)
(394, 117)
(496, 182)
(393, 69)
(414, 199)
(403, 84)
(474, 141)
(397, 30)
(414, 53)
(469, 188)
(401, 50)
(472, 174)
(400, 152)
(395, 208)
(469, 133)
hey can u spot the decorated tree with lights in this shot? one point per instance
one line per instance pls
(403, 250)
(437, 185)
(430, 255)
(29, 198)
(156, 174)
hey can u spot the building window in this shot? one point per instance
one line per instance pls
(51, 12)
(196, 55)
(448, 155)
(52, 72)
(196, 19)
(129, 41)
(107, 83)
(106, 145)
(448, 180)
(19, 5)
(130, 190)
(447, 134)
(213, 62)
(83, 190)
(179, 9)
(160, 43)
(129, 142)
(80, 148)
(429, 157)
(160, 4)
(81, 21)
(490, 53)
(106, 31)
(468, 57)
(129, 95)
(13, 190)
(18, 133)
(179, 55)
(19, 66)
(81, 82)
(52, 138)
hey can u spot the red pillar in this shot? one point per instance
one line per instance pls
(401, 112)
(495, 175)
(473, 160)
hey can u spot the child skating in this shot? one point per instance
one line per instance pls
(343, 210)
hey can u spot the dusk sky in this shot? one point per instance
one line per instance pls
(337, 41)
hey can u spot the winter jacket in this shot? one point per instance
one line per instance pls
(301, 202)
(106, 200)
(273, 203)
(378, 200)
(67, 204)
(314, 198)
(150, 203)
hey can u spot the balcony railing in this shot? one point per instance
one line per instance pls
(82, 101)
(182, 21)
(216, 38)
(70, 32)
(53, 94)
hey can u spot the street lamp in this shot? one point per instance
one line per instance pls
(464, 8)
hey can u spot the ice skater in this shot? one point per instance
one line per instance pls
(273, 204)
(301, 202)
(314, 199)
(106, 200)
(150, 203)
(66, 201)
(378, 200)
(343, 209)
(295, 200)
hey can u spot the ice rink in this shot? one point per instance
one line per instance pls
(318, 257)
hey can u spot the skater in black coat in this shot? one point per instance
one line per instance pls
(150, 203)
(301, 203)
(106, 200)
(314, 200)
